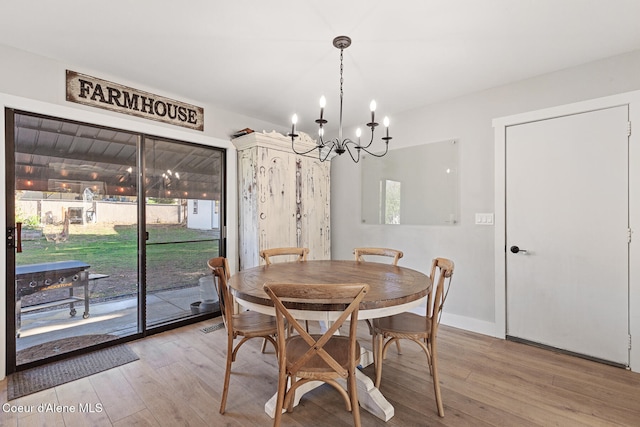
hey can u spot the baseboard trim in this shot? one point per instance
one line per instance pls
(467, 323)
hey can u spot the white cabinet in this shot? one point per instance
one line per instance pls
(284, 198)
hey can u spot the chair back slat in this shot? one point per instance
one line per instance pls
(386, 252)
(441, 275)
(267, 254)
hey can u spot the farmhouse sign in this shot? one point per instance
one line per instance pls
(100, 93)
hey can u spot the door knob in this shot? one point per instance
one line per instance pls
(516, 249)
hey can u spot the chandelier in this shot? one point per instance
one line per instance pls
(339, 145)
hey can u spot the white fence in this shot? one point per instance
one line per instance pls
(52, 211)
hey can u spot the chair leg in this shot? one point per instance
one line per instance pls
(436, 379)
(429, 359)
(353, 394)
(282, 389)
(264, 345)
(378, 358)
(398, 347)
(373, 347)
(227, 375)
(292, 380)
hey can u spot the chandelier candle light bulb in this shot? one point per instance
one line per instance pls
(323, 103)
(372, 107)
(294, 120)
(340, 145)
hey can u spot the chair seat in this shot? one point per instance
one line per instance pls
(403, 324)
(337, 347)
(252, 323)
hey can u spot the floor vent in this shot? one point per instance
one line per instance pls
(212, 328)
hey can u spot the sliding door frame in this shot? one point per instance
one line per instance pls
(10, 206)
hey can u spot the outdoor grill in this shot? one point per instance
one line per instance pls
(34, 278)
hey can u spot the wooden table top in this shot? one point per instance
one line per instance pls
(390, 285)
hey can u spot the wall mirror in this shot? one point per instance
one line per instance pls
(413, 186)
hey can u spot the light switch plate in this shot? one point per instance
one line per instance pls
(484, 219)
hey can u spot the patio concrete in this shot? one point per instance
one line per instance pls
(116, 317)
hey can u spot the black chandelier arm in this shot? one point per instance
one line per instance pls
(347, 143)
(302, 153)
(386, 149)
(370, 140)
(331, 144)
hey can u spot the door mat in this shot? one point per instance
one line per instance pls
(54, 374)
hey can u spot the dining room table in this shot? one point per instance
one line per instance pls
(393, 290)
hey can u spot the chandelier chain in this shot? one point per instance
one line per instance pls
(341, 93)
(341, 69)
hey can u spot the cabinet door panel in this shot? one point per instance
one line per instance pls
(248, 208)
(276, 199)
(315, 233)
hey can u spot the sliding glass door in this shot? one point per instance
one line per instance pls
(183, 194)
(111, 231)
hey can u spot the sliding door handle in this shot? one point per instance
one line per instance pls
(18, 237)
(14, 237)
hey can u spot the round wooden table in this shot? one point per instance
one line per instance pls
(393, 290)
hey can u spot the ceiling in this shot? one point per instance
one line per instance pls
(54, 156)
(269, 59)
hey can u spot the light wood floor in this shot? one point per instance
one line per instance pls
(485, 382)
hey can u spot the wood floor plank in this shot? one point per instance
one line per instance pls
(168, 408)
(84, 405)
(8, 418)
(554, 400)
(626, 397)
(118, 398)
(187, 385)
(142, 418)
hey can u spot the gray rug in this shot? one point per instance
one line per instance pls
(53, 374)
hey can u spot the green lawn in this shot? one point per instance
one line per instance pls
(112, 250)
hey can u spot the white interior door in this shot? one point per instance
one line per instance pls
(567, 207)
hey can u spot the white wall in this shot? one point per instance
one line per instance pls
(471, 303)
(35, 77)
(37, 84)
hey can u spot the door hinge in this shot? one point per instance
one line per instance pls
(629, 232)
(629, 128)
(629, 341)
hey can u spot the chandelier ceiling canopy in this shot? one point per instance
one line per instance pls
(340, 145)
